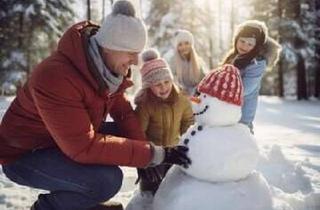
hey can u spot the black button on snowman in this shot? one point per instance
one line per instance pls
(186, 140)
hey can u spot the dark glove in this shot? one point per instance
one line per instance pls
(151, 173)
(177, 155)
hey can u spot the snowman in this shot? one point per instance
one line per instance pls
(223, 154)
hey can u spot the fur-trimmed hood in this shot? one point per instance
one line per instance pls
(270, 51)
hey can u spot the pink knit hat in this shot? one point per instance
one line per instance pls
(154, 69)
(223, 83)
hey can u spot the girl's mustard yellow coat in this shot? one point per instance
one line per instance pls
(164, 121)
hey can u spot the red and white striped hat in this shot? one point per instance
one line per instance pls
(223, 83)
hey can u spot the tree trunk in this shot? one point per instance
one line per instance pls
(280, 71)
(211, 52)
(88, 10)
(220, 26)
(20, 42)
(29, 51)
(232, 22)
(103, 9)
(302, 92)
(302, 86)
(317, 79)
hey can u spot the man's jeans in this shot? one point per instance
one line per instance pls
(72, 186)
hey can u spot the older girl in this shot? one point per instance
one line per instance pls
(253, 50)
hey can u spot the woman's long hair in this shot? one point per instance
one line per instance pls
(194, 74)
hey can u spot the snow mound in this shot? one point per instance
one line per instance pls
(290, 184)
(141, 201)
(282, 173)
(187, 193)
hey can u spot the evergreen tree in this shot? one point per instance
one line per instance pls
(161, 23)
(317, 46)
(293, 23)
(29, 30)
(299, 31)
(272, 82)
(165, 17)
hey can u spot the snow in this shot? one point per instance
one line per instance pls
(30, 11)
(17, 57)
(17, 8)
(141, 201)
(187, 193)
(288, 136)
(8, 88)
(288, 132)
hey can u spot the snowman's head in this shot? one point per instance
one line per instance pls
(220, 97)
(211, 111)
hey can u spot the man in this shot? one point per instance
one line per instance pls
(49, 136)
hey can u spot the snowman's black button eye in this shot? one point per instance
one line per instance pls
(196, 94)
(204, 96)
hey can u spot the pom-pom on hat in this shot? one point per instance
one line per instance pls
(154, 69)
(223, 83)
(122, 30)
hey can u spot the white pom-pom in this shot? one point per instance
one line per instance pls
(150, 54)
(123, 7)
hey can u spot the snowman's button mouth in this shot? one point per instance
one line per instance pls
(203, 111)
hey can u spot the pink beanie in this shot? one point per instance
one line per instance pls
(154, 69)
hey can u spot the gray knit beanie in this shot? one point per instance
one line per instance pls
(122, 30)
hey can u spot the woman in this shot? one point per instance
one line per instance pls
(187, 67)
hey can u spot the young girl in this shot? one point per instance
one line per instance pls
(164, 112)
(252, 51)
(187, 67)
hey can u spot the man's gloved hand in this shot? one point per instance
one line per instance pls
(170, 155)
(164, 155)
(151, 173)
(177, 155)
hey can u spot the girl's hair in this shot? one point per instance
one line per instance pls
(254, 29)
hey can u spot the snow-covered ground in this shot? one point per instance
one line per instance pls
(288, 134)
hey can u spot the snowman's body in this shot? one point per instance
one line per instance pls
(221, 153)
(221, 176)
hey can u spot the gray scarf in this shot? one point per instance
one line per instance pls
(113, 82)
